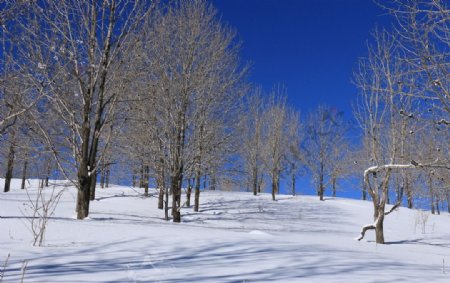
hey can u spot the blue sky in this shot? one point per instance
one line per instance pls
(310, 46)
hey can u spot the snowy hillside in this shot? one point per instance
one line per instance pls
(235, 237)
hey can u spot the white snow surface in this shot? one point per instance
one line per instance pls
(236, 237)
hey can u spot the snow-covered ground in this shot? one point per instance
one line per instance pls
(236, 237)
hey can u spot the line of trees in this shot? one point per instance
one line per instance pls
(156, 93)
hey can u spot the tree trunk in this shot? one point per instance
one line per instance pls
(213, 183)
(108, 174)
(321, 186)
(334, 186)
(48, 173)
(293, 184)
(161, 184)
(379, 230)
(133, 179)
(146, 179)
(102, 176)
(93, 184)
(255, 181)
(166, 204)
(24, 174)
(141, 179)
(275, 183)
(83, 196)
(10, 165)
(448, 201)
(188, 194)
(176, 197)
(197, 191)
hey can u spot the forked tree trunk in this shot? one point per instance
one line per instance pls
(10, 165)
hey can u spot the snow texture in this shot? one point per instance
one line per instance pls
(236, 237)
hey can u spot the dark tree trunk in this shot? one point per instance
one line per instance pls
(102, 178)
(24, 174)
(213, 183)
(10, 165)
(437, 206)
(188, 194)
(146, 179)
(83, 196)
(108, 174)
(93, 184)
(334, 186)
(275, 183)
(176, 197)
(133, 179)
(448, 201)
(321, 185)
(197, 191)
(160, 183)
(47, 177)
(141, 179)
(293, 184)
(255, 181)
(166, 203)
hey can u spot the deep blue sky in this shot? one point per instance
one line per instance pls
(310, 46)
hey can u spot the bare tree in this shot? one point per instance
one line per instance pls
(324, 131)
(193, 74)
(73, 51)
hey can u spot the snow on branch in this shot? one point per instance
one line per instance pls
(413, 164)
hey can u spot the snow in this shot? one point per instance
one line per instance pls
(236, 237)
